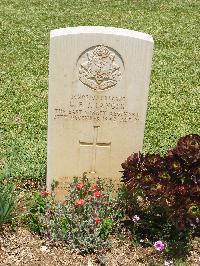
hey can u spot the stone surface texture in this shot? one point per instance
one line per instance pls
(98, 92)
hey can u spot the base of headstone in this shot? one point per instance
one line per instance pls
(61, 190)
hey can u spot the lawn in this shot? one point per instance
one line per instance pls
(173, 106)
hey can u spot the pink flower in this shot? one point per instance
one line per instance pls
(135, 218)
(159, 245)
(97, 220)
(45, 193)
(95, 188)
(97, 194)
(79, 186)
(79, 202)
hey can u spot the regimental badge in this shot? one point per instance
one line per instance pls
(100, 72)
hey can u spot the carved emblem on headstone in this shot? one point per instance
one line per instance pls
(100, 70)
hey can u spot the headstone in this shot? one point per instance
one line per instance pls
(98, 91)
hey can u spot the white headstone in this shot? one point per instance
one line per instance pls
(98, 91)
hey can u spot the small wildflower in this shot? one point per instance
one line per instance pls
(79, 186)
(45, 193)
(141, 240)
(44, 248)
(90, 262)
(95, 188)
(97, 194)
(159, 245)
(197, 220)
(168, 263)
(79, 202)
(97, 220)
(135, 218)
(192, 225)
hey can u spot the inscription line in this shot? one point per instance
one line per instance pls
(82, 143)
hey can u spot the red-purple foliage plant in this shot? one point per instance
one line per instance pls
(171, 181)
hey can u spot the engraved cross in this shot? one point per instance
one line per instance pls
(95, 144)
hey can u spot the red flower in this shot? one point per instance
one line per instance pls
(79, 202)
(97, 220)
(45, 193)
(97, 194)
(95, 188)
(79, 186)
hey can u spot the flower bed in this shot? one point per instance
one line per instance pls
(156, 209)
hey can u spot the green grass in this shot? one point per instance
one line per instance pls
(173, 106)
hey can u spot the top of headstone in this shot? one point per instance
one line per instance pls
(101, 30)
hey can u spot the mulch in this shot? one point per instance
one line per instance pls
(23, 248)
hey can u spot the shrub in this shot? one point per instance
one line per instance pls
(36, 208)
(89, 215)
(8, 199)
(171, 181)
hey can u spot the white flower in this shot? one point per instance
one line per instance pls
(90, 262)
(44, 249)
(168, 263)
